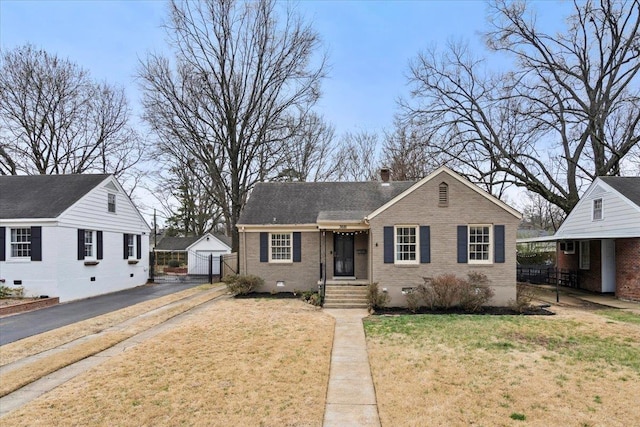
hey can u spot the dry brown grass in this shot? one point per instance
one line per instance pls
(241, 362)
(37, 344)
(576, 369)
(14, 379)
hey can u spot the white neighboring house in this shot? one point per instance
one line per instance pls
(70, 236)
(198, 249)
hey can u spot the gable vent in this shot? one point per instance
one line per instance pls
(443, 194)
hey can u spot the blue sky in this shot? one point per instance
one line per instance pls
(369, 44)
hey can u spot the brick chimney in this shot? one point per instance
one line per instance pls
(385, 174)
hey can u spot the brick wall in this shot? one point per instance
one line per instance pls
(628, 269)
(567, 261)
(421, 208)
(591, 279)
(295, 275)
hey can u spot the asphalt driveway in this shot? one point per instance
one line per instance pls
(18, 326)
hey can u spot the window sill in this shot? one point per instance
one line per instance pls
(133, 261)
(401, 265)
(91, 263)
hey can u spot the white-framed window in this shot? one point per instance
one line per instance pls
(131, 245)
(111, 202)
(585, 255)
(20, 243)
(280, 247)
(480, 244)
(89, 244)
(406, 244)
(597, 209)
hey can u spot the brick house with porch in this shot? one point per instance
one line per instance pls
(306, 236)
(600, 238)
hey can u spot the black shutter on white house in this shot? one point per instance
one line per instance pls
(3, 244)
(125, 246)
(462, 244)
(425, 244)
(498, 238)
(36, 243)
(80, 244)
(138, 246)
(264, 247)
(297, 246)
(388, 244)
(99, 243)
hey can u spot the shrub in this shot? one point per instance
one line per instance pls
(442, 291)
(414, 301)
(241, 284)
(475, 292)
(375, 298)
(447, 291)
(525, 293)
(174, 263)
(312, 298)
(9, 292)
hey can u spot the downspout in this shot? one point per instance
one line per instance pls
(324, 273)
(366, 221)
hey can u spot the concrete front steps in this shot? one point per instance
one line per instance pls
(345, 296)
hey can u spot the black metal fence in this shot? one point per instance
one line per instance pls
(544, 274)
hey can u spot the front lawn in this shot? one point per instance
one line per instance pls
(576, 368)
(240, 362)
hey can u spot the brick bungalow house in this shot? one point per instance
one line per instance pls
(305, 236)
(601, 238)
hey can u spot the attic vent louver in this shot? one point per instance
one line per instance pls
(443, 194)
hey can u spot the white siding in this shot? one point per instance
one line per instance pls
(90, 212)
(199, 252)
(620, 218)
(60, 273)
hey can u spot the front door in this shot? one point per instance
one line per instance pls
(343, 255)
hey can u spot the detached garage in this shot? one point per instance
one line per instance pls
(194, 252)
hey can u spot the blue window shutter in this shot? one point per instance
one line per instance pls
(138, 246)
(264, 247)
(297, 247)
(80, 244)
(125, 246)
(3, 244)
(99, 243)
(498, 238)
(388, 245)
(36, 243)
(462, 244)
(425, 244)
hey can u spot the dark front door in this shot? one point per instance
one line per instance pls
(343, 255)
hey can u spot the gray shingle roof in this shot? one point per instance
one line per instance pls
(303, 202)
(628, 186)
(176, 243)
(182, 243)
(43, 196)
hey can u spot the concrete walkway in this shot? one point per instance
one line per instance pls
(574, 297)
(351, 397)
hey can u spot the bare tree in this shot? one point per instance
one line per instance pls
(357, 157)
(404, 153)
(309, 151)
(55, 119)
(540, 214)
(225, 101)
(569, 111)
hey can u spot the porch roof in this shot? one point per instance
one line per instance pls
(342, 216)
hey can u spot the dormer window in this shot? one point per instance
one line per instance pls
(443, 194)
(597, 209)
(111, 202)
